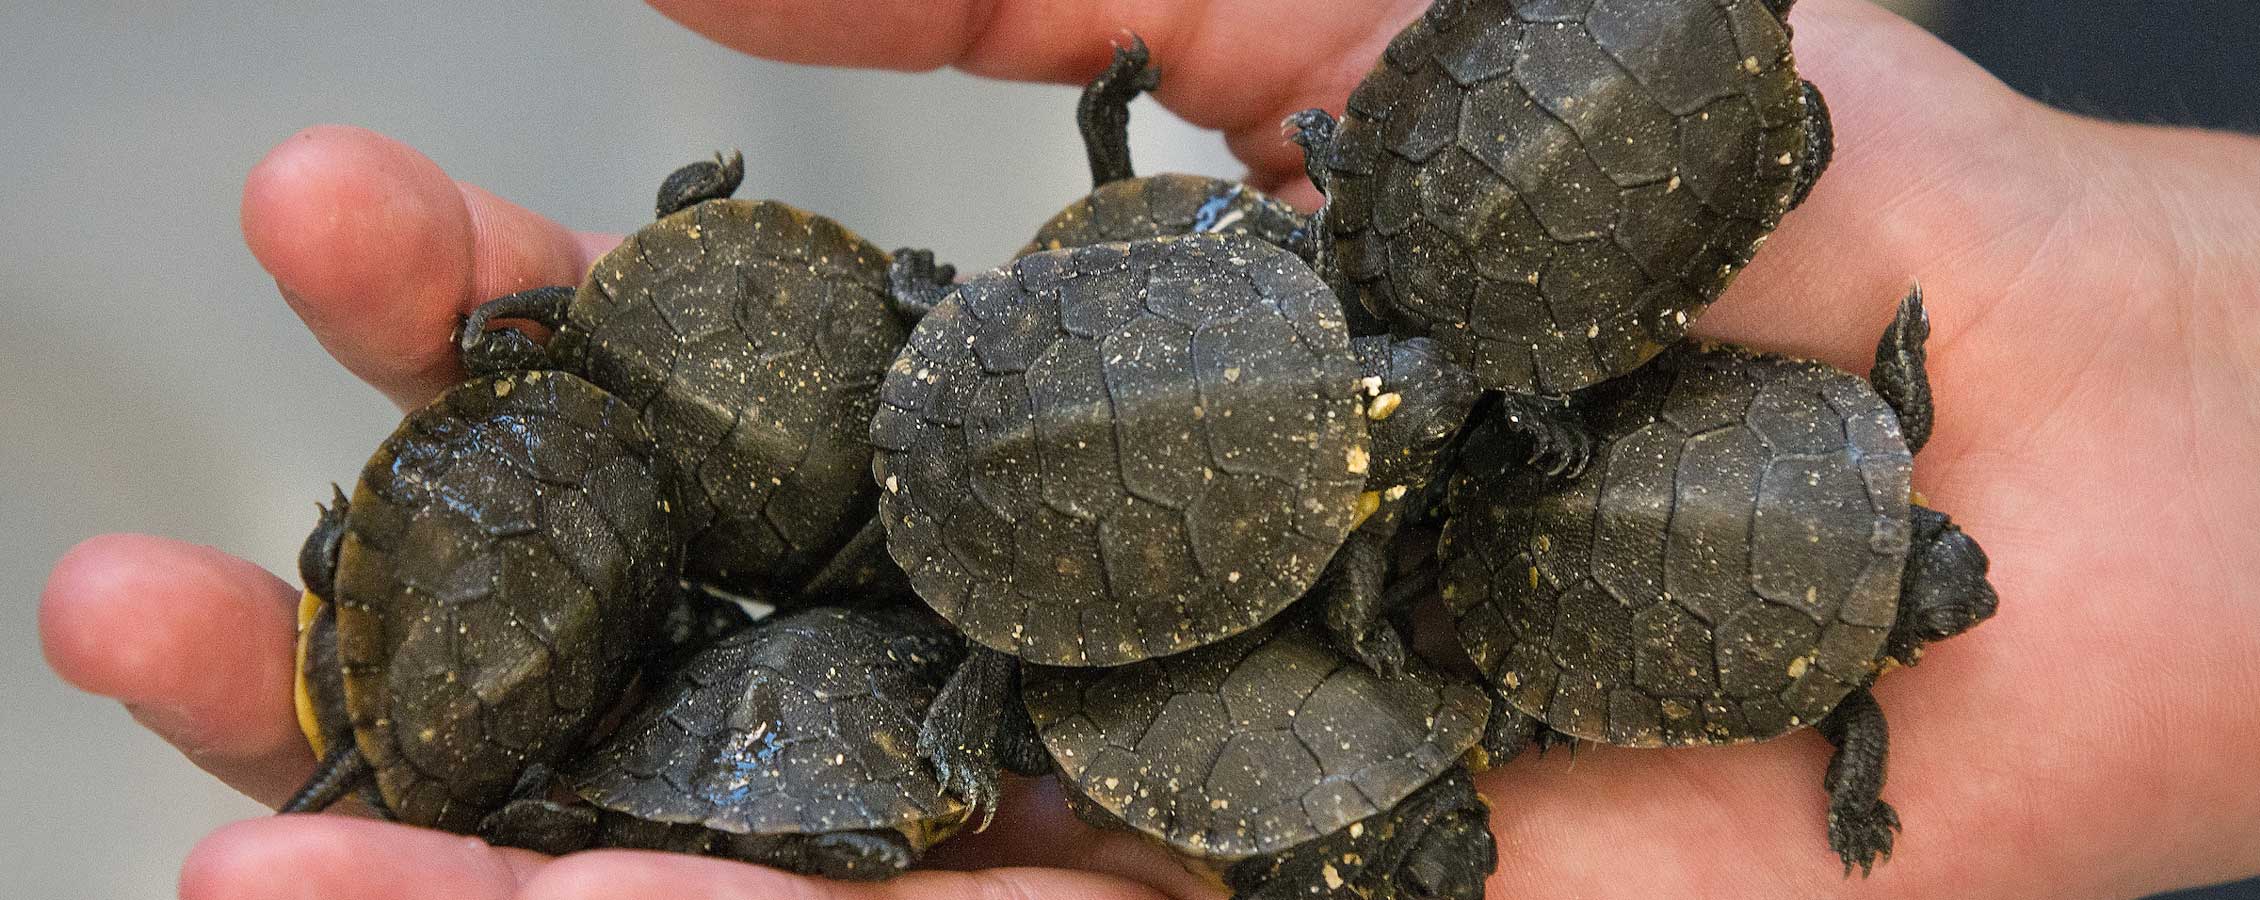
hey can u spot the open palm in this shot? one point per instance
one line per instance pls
(2096, 357)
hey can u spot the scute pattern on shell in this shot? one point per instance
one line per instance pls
(806, 724)
(1099, 455)
(1553, 189)
(1726, 570)
(751, 336)
(504, 560)
(1167, 204)
(1251, 745)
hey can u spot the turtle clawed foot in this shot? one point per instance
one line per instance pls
(964, 774)
(860, 856)
(1132, 72)
(1862, 837)
(1381, 650)
(1311, 128)
(1560, 452)
(918, 283)
(701, 181)
(914, 268)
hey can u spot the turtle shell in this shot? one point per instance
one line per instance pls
(802, 724)
(506, 555)
(1253, 745)
(1168, 204)
(1099, 455)
(1553, 189)
(1725, 570)
(751, 336)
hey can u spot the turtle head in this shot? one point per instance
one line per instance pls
(1453, 852)
(1944, 591)
(1415, 400)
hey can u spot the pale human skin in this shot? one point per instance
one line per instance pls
(2095, 296)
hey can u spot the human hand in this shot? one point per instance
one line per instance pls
(2094, 354)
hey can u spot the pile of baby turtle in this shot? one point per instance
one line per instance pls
(1153, 506)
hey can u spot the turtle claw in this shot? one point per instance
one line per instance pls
(1558, 446)
(959, 737)
(1862, 837)
(961, 773)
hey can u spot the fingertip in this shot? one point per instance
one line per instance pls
(370, 242)
(251, 859)
(109, 613)
(380, 252)
(196, 642)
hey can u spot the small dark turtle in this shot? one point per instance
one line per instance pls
(1123, 206)
(1296, 769)
(1553, 190)
(751, 337)
(483, 599)
(1105, 454)
(788, 744)
(1741, 560)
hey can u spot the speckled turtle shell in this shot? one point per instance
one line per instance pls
(1253, 745)
(506, 556)
(1168, 204)
(751, 336)
(1553, 189)
(802, 724)
(1099, 455)
(1725, 570)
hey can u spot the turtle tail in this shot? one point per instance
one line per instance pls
(339, 772)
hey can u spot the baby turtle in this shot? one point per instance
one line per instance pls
(787, 744)
(483, 599)
(1270, 755)
(751, 337)
(1553, 190)
(1105, 454)
(1125, 207)
(1742, 559)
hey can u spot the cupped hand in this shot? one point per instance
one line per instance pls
(2096, 357)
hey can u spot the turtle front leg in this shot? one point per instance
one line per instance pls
(1820, 145)
(1356, 601)
(1900, 375)
(1435, 845)
(1103, 114)
(1510, 731)
(487, 351)
(542, 826)
(916, 284)
(960, 734)
(1860, 825)
(841, 856)
(701, 181)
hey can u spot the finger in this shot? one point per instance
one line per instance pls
(1238, 67)
(340, 858)
(197, 644)
(379, 252)
(611, 874)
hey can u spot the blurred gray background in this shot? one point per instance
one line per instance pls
(156, 384)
